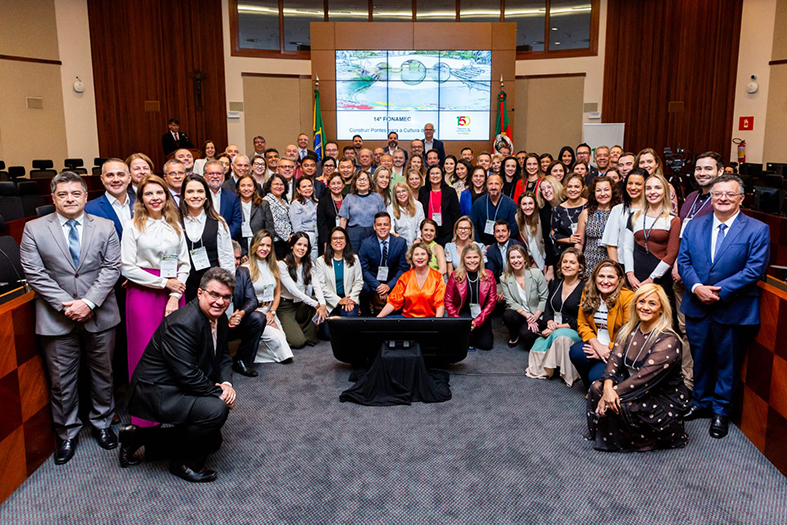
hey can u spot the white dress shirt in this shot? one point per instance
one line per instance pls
(406, 226)
(123, 211)
(66, 229)
(713, 236)
(194, 228)
(216, 196)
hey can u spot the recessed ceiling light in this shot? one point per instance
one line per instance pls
(557, 43)
(554, 29)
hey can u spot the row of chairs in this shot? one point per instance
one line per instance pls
(45, 168)
(19, 200)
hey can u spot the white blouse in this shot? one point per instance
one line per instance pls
(265, 285)
(146, 249)
(194, 228)
(616, 226)
(407, 227)
(296, 291)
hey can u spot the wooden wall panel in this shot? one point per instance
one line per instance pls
(145, 50)
(658, 52)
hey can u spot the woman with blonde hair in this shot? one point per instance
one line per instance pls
(266, 280)
(406, 212)
(565, 216)
(420, 291)
(416, 163)
(603, 310)
(381, 182)
(464, 235)
(639, 401)
(139, 165)
(156, 263)
(648, 160)
(472, 292)
(534, 235)
(525, 292)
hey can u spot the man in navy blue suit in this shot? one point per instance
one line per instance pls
(226, 203)
(431, 143)
(383, 259)
(722, 256)
(116, 205)
(497, 252)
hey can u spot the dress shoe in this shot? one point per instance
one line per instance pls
(241, 368)
(192, 476)
(128, 446)
(718, 426)
(106, 438)
(512, 344)
(696, 412)
(287, 361)
(65, 451)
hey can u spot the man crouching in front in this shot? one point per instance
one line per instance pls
(183, 379)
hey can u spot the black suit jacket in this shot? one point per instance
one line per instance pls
(243, 297)
(449, 207)
(179, 365)
(169, 143)
(438, 146)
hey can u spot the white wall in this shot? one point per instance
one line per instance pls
(73, 37)
(757, 27)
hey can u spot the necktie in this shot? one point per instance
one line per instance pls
(385, 253)
(177, 137)
(303, 153)
(73, 242)
(719, 241)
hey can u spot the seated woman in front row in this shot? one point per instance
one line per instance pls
(550, 351)
(639, 401)
(525, 292)
(604, 308)
(472, 292)
(341, 277)
(420, 291)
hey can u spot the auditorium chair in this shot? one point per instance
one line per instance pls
(10, 267)
(31, 199)
(16, 172)
(44, 210)
(3, 172)
(97, 163)
(42, 169)
(75, 165)
(10, 204)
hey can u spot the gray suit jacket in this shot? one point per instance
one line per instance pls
(535, 287)
(50, 271)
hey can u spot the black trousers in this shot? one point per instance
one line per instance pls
(518, 328)
(249, 331)
(482, 337)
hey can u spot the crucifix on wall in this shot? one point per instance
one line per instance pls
(198, 76)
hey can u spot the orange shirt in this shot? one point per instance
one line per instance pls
(415, 302)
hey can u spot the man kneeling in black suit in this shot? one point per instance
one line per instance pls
(183, 379)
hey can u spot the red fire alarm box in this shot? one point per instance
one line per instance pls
(746, 124)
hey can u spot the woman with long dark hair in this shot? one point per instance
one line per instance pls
(341, 277)
(440, 204)
(602, 196)
(567, 158)
(276, 195)
(633, 199)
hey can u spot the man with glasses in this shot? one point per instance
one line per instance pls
(722, 256)
(225, 202)
(72, 261)
(184, 379)
(286, 169)
(431, 143)
(174, 173)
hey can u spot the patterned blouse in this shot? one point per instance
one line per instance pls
(281, 218)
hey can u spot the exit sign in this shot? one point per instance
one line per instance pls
(746, 124)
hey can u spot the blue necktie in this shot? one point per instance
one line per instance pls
(385, 253)
(719, 242)
(73, 242)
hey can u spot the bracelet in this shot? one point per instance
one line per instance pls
(272, 312)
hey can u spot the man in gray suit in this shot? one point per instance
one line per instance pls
(72, 261)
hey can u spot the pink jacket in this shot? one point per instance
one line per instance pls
(456, 296)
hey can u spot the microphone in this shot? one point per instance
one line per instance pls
(13, 266)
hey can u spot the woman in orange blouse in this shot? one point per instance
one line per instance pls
(418, 292)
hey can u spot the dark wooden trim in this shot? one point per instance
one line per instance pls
(547, 27)
(29, 59)
(273, 75)
(771, 63)
(555, 75)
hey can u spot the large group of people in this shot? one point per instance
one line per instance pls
(589, 266)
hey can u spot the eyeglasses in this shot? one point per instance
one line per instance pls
(727, 194)
(337, 239)
(216, 296)
(173, 173)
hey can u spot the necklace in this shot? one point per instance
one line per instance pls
(644, 345)
(472, 280)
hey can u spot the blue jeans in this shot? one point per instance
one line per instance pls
(589, 369)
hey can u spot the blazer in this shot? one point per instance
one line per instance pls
(494, 257)
(439, 147)
(243, 296)
(449, 207)
(743, 260)
(570, 308)
(326, 219)
(179, 365)
(616, 318)
(353, 281)
(261, 219)
(101, 207)
(535, 287)
(370, 261)
(49, 269)
(456, 296)
(169, 144)
(230, 210)
(230, 184)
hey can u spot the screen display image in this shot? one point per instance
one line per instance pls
(382, 91)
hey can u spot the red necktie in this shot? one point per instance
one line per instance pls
(177, 138)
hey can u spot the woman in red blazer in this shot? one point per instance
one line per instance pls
(471, 292)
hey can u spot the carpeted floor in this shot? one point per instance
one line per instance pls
(505, 449)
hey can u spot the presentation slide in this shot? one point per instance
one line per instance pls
(382, 91)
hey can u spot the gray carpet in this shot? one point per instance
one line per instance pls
(505, 449)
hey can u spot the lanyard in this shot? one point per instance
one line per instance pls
(471, 285)
(496, 209)
(693, 212)
(641, 349)
(432, 195)
(335, 207)
(645, 232)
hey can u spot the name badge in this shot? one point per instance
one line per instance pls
(438, 218)
(683, 226)
(267, 293)
(199, 256)
(338, 221)
(382, 274)
(489, 227)
(245, 230)
(574, 226)
(558, 318)
(168, 268)
(600, 243)
(475, 310)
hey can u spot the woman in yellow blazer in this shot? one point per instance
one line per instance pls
(603, 309)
